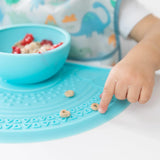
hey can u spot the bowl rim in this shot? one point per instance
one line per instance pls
(64, 32)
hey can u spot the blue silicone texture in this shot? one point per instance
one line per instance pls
(30, 113)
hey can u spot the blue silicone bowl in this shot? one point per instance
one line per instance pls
(32, 68)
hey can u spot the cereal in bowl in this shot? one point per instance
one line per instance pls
(28, 45)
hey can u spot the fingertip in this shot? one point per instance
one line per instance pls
(101, 111)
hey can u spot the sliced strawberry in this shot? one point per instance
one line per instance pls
(23, 43)
(55, 46)
(16, 50)
(46, 42)
(27, 39)
(60, 43)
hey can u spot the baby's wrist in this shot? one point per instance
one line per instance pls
(146, 53)
(152, 48)
(146, 32)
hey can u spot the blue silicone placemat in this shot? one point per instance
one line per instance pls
(30, 113)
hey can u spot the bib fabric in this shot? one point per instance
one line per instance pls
(93, 24)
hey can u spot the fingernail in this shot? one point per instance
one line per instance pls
(101, 110)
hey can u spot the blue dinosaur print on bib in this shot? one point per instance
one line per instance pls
(35, 3)
(91, 22)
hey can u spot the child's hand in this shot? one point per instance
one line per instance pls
(131, 78)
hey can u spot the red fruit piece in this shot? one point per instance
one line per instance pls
(16, 50)
(27, 39)
(46, 42)
(23, 43)
(60, 43)
(56, 45)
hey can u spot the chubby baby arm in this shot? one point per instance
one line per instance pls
(133, 76)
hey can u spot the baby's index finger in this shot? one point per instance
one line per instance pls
(107, 95)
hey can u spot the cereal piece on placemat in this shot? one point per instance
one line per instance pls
(69, 93)
(64, 113)
(95, 106)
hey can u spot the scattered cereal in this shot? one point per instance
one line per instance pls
(95, 106)
(64, 113)
(69, 93)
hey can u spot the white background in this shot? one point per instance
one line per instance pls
(134, 134)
